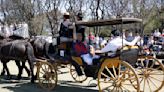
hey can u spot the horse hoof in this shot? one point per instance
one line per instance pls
(3, 73)
(29, 76)
(35, 77)
(8, 77)
(32, 81)
(28, 73)
(19, 78)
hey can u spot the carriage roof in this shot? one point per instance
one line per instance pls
(114, 21)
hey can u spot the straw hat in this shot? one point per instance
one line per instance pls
(66, 13)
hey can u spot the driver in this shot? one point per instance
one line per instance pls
(66, 35)
(66, 29)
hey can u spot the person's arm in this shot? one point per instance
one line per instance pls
(107, 48)
(60, 30)
(74, 33)
(70, 25)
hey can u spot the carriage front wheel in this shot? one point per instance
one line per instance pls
(117, 76)
(46, 75)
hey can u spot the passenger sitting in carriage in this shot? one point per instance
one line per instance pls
(112, 46)
(79, 46)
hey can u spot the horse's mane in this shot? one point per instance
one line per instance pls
(14, 37)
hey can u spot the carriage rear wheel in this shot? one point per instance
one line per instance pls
(117, 78)
(47, 75)
(151, 74)
(75, 76)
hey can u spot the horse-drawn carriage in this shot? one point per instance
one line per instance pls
(127, 71)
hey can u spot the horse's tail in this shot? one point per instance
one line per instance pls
(46, 48)
(30, 52)
(31, 59)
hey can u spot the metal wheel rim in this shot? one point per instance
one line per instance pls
(47, 76)
(115, 77)
(151, 77)
(75, 75)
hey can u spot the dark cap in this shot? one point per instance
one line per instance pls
(80, 15)
(115, 32)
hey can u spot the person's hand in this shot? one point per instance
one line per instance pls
(92, 50)
(97, 51)
(138, 38)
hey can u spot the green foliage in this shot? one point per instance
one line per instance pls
(105, 32)
(152, 24)
(153, 20)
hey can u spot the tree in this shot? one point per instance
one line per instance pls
(53, 14)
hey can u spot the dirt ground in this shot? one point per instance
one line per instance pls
(65, 83)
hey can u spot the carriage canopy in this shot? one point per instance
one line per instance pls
(115, 21)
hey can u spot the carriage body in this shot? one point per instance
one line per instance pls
(116, 71)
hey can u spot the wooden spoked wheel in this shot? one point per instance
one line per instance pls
(117, 78)
(151, 74)
(47, 76)
(75, 76)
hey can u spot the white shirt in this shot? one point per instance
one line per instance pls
(116, 43)
(88, 58)
(97, 40)
(103, 42)
(157, 34)
(67, 23)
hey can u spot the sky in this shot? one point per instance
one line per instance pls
(1, 16)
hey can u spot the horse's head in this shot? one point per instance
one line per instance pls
(2, 37)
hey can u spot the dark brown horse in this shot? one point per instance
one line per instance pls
(19, 50)
(42, 49)
(18, 63)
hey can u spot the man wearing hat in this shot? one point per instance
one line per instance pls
(116, 43)
(79, 28)
(66, 29)
(65, 35)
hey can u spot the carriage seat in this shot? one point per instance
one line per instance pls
(129, 54)
(89, 70)
(130, 47)
(78, 60)
(62, 45)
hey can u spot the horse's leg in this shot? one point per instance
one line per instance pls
(4, 61)
(31, 60)
(20, 69)
(26, 68)
(32, 71)
(3, 71)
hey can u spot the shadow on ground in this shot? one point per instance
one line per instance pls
(26, 86)
(12, 79)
